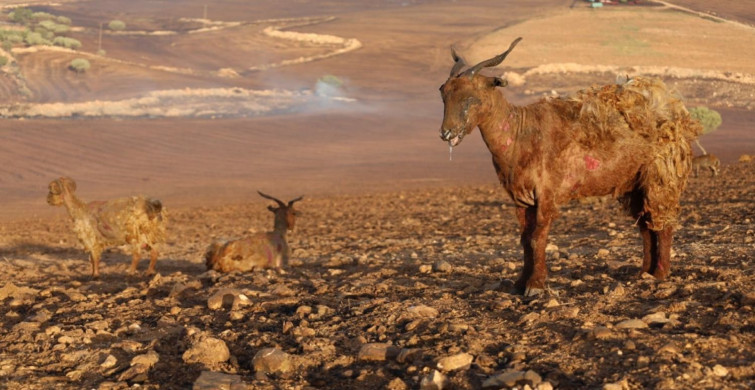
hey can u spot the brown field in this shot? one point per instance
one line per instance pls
(383, 203)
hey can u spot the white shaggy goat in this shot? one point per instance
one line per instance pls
(135, 221)
(261, 250)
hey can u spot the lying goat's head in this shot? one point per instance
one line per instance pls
(464, 96)
(58, 188)
(285, 214)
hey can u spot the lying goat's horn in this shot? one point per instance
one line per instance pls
(458, 62)
(280, 203)
(491, 62)
(291, 202)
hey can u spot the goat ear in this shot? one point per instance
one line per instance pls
(499, 82)
(271, 208)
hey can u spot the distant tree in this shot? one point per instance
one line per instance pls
(79, 65)
(63, 20)
(35, 38)
(101, 52)
(708, 118)
(3, 60)
(116, 25)
(66, 42)
(54, 27)
(42, 16)
(21, 15)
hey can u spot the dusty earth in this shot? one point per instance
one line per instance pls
(402, 259)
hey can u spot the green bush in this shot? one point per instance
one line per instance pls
(42, 16)
(709, 119)
(116, 25)
(66, 42)
(54, 27)
(35, 38)
(3, 60)
(63, 20)
(21, 15)
(79, 65)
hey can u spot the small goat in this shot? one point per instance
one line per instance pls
(706, 161)
(136, 221)
(630, 140)
(261, 250)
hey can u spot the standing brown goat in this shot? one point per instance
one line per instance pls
(136, 221)
(261, 250)
(706, 161)
(630, 140)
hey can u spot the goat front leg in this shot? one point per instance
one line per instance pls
(535, 224)
(94, 257)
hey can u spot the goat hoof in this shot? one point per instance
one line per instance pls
(533, 292)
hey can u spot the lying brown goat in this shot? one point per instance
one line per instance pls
(261, 250)
(136, 221)
(706, 161)
(631, 141)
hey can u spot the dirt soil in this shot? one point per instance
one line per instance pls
(425, 271)
(402, 260)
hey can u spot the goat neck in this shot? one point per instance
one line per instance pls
(500, 123)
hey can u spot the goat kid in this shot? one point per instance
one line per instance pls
(135, 221)
(706, 161)
(261, 250)
(631, 141)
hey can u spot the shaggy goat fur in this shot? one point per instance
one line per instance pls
(706, 161)
(261, 250)
(631, 141)
(135, 221)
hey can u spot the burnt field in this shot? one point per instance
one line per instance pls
(387, 288)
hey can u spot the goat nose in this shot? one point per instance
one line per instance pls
(445, 135)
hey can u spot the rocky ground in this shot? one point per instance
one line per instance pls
(397, 290)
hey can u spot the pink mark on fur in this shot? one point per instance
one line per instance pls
(508, 143)
(591, 163)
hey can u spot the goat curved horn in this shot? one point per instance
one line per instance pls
(492, 61)
(458, 62)
(291, 202)
(280, 203)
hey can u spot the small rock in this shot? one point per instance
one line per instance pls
(303, 311)
(508, 379)
(378, 351)
(209, 380)
(603, 253)
(136, 373)
(551, 248)
(613, 386)
(397, 384)
(442, 266)
(148, 359)
(434, 381)
(719, 370)
(425, 268)
(409, 354)
(109, 362)
(455, 362)
(208, 351)
(423, 311)
(669, 348)
(748, 299)
(633, 323)
(272, 360)
(601, 332)
(552, 303)
(228, 298)
(656, 318)
(544, 386)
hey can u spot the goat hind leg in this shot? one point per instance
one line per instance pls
(152, 261)
(526, 217)
(649, 245)
(135, 257)
(534, 239)
(662, 262)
